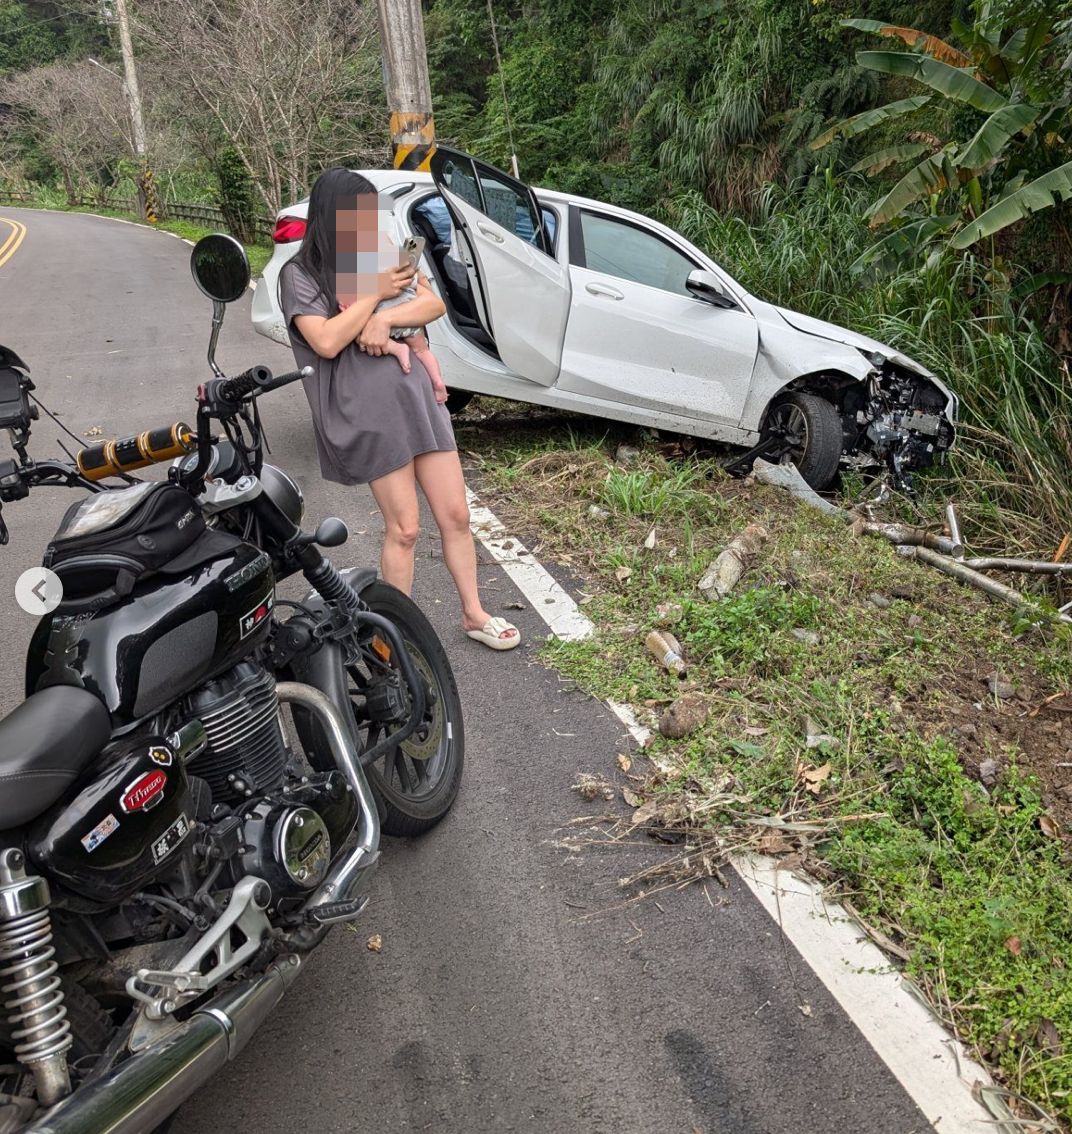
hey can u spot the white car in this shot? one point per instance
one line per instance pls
(562, 301)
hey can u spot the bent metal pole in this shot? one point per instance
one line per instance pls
(405, 81)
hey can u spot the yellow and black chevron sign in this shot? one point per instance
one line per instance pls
(413, 138)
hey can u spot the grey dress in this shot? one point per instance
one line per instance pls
(369, 417)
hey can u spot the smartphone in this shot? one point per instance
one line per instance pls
(411, 251)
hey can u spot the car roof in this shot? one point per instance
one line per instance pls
(387, 179)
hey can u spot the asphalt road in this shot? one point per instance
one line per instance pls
(497, 1003)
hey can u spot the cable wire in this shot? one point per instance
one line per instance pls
(506, 101)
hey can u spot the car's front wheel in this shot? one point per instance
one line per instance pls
(811, 427)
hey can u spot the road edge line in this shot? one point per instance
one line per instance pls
(930, 1063)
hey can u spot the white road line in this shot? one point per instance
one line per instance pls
(929, 1063)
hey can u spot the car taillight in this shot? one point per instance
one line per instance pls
(288, 229)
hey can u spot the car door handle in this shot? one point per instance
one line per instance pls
(490, 233)
(604, 290)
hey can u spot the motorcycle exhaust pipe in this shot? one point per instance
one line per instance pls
(140, 1093)
(344, 882)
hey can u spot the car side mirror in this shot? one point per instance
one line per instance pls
(221, 270)
(708, 287)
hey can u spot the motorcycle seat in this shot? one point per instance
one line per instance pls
(44, 745)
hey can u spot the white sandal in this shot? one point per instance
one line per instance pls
(491, 634)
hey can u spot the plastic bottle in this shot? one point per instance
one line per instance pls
(665, 649)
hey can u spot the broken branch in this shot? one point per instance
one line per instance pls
(983, 582)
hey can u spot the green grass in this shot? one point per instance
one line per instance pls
(969, 881)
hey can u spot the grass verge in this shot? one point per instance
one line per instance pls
(848, 723)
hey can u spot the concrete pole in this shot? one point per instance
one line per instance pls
(146, 185)
(405, 79)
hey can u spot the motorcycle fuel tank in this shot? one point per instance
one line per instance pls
(119, 828)
(170, 633)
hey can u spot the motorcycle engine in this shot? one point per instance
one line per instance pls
(257, 808)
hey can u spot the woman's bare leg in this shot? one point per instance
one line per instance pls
(441, 480)
(396, 496)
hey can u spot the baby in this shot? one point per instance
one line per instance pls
(407, 340)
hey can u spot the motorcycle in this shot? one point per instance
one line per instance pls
(169, 856)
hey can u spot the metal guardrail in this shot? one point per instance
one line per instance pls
(209, 215)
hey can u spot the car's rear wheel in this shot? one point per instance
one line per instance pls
(812, 430)
(457, 400)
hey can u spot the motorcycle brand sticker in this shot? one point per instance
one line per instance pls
(249, 622)
(159, 754)
(170, 839)
(251, 570)
(144, 793)
(103, 829)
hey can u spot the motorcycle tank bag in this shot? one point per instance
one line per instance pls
(110, 541)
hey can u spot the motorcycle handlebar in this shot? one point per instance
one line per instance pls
(110, 458)
(236, 388)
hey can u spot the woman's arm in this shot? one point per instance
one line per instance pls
(423, 309)
(330, 336)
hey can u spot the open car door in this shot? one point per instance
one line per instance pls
(521, 291)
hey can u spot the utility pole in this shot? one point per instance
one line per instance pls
(147, 197)
(405, 79)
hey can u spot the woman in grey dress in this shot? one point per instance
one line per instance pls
(373, 422)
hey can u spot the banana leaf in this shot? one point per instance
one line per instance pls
(858, 123)
(882, 159)
(1033, 197)
(904, 243)
(921, 41)
(1038, 281)
(932, 175)
(991, 138)
(953, 82)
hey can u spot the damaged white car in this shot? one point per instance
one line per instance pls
(561, 301)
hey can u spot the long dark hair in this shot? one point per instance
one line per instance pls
(316, 256)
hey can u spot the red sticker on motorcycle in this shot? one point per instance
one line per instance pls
(249, 622)
(145, 792)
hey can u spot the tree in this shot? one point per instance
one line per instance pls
(78, 118)
(289, 88)
(1005, 88)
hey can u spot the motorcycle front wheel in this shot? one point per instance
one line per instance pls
(417, 781)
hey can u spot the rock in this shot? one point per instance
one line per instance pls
(879, 601)
(914, 620)
(684, 716)
(1001, 688)
(808, 637)
(968, 729)
(627, 455)
(988, 772)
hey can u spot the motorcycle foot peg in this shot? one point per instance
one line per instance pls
(331, 912)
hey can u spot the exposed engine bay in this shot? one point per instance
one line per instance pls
(897, 419)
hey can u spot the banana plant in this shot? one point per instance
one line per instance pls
(1002, 75)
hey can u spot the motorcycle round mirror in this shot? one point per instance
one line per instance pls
(220, 268)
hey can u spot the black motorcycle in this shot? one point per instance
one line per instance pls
(168, 857)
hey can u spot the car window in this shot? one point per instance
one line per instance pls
(508, 205)
(629, 252)
(435, 211)
(460, 178)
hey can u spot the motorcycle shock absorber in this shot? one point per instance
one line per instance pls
(29, 979)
